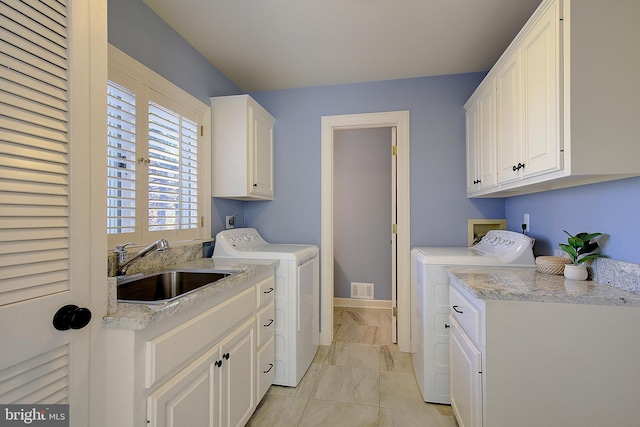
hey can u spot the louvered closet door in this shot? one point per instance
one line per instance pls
(45, 226)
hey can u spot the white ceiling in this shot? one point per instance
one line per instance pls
(280, 44)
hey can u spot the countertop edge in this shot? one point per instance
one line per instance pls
(526, 284)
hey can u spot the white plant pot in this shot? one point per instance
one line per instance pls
(576, 272)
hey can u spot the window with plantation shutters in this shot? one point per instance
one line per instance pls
(155, 168)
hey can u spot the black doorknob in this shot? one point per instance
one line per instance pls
(71, 317)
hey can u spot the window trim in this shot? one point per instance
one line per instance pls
(124, 64)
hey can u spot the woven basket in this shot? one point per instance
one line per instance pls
(551, 264)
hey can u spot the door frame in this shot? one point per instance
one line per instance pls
(399, 120)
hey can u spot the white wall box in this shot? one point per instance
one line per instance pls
(202, 366)
(242, 152)
(531, 364)
(565, 104)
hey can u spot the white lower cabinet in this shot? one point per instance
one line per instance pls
(202, 367)
(237, 364)
(190, 398)
(465, 377)
(532, 364)
(214, 390)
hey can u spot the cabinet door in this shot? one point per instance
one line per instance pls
(472, 117)
(465, 377)
(508, 120)
(487, 137)
(237, 394)
(266, 369)
(481, 139)
(540, 55)
(261, 155)
(190, 398)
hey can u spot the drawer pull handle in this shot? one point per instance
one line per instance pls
(268, 324)
(225, 356)
(269, 291)
(270, 368)
(456, 309)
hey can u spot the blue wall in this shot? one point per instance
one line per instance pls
(611, 207)
(439, 206)
(136, 30)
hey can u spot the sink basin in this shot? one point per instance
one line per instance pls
(160, 288)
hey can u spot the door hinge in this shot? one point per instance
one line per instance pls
(394, 150)
(201, 130)
(201, 221)
(394, 228)
(395, 311)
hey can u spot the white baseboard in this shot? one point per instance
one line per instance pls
(362, 303)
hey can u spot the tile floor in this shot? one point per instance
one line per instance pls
(360, 380)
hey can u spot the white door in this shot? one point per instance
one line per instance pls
(47, 244)
(394, 235)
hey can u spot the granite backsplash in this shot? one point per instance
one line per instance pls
(158, 260)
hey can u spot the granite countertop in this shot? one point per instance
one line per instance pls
(140, 316)
(526, 284)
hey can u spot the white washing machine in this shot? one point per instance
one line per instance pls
(297, 298)
(430, 301)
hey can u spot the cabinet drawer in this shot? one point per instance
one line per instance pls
(468, 315)
(266, 369)
(265, 324)
(266, 291)
(172, 349)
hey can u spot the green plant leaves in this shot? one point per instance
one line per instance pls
(579, 246)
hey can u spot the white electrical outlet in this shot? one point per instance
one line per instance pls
(229, 222)
(525, 221)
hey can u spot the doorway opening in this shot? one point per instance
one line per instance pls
(399, 122)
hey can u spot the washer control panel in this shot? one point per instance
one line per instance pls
(507, 246)
(237, 239)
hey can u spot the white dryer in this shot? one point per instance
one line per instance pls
(430, 301)
(297, 298)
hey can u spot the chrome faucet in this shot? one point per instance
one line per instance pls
(121, 250)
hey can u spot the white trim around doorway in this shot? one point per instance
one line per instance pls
(400, 120)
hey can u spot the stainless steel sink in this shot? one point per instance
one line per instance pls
(160, 288)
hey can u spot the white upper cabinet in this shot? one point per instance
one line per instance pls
(481, 140)
(242, 152)
(566, 101)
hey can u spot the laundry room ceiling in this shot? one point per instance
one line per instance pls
(279, 44)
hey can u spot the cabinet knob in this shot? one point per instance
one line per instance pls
(255, 184)
(218, 363)
(456, 309)
(446, 326)
(518, 167)
(225, 356)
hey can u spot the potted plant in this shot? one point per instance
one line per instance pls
(580, 249)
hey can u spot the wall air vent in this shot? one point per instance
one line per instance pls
(361, 290)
